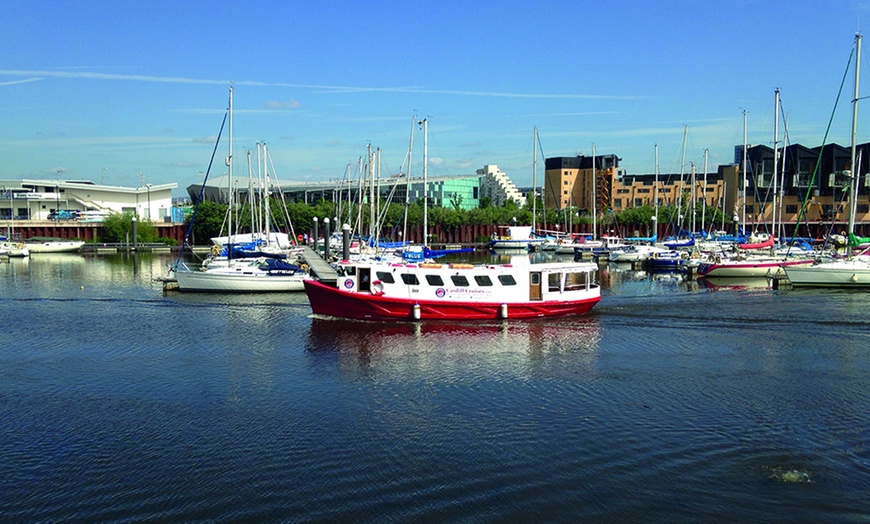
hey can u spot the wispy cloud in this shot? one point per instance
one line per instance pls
(22, 81)
(324, 88)
(290, 104)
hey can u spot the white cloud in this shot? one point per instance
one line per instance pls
(290, 104)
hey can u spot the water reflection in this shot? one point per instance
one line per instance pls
(514, 347)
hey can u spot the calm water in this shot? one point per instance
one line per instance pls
(673, 401)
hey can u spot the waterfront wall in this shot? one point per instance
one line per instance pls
(88, 232)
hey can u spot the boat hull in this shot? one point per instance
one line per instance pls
(229, 283)
(55, 247)
(748, 269)
(330, 301)
(838, 274)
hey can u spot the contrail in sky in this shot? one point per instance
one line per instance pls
(328, 88)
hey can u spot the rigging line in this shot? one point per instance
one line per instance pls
(802, 212)
(201, 190)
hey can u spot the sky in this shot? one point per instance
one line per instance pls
(131, 93)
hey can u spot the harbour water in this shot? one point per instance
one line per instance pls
(672, 401)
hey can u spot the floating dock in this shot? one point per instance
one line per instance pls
(318, 267)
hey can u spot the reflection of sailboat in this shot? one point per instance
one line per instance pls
(734, 283)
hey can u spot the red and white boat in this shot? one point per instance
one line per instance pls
(381, 291)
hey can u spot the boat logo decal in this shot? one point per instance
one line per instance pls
(348, 283)
(440, 292)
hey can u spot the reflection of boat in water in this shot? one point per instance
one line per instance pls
(520, 337)
(734, 283)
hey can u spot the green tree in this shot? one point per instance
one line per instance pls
(118, 227)
(208, 221)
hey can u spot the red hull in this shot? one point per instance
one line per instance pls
(329, 301)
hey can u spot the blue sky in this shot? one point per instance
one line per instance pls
(130, 92)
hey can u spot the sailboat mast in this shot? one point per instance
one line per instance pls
(694, 197)
(682, 174)
(535, 180)
(742, 189)
(267, 219)
(594, 196)
(425, 123)
(853, 196)
(230, 178)
(408, 179)
(655, 217)
(704, 191)
(775, 158)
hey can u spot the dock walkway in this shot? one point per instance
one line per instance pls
(318, 267)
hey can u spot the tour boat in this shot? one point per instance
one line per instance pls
(382, 291)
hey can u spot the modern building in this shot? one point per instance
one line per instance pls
(569, 181)
(461, 190)
(498, 187)
(742, 194)
(30, 199)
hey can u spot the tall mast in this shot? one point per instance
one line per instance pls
(230, 177)
(371, 178)
(655, 217)
(694, 197)
(535, 181)
(704, 191)
(267, 219)
(742, 189)
(425, 123)
(775, 158)
(682, 172)
(408, 179)
(853, 196)
(594, 196)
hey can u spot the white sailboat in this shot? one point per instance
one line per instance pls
(243, 275)
(855, 270)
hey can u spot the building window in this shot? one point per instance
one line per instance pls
(862, 208)
(638, 202)
(791, 208)
(617, 202)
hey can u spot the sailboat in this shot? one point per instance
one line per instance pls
(757, 257)
(246, 275)
(853, 271)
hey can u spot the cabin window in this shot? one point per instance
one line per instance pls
(459, 280)
(434, 280)
(483, 280)
(385, 277)
(507, 280)
(554, 282)
(575, 281)
(410, 279)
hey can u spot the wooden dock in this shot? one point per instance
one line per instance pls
(318, 267)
